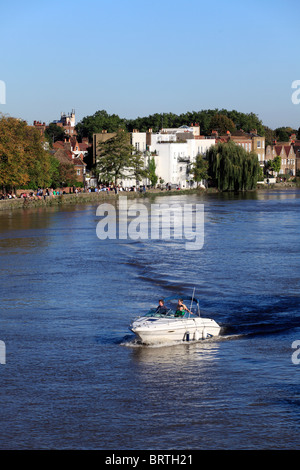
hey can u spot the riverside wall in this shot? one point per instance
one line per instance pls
(97, 198)
(83, 198)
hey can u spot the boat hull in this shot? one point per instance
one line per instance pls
(151, 331)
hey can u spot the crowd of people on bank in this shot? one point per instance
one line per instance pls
(49, 192)
(116, 188)
(39, 194)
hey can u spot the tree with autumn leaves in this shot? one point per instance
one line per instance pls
(24, 163)
(23, 159)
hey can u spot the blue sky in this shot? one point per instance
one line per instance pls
(135, 58)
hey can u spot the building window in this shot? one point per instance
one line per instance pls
(78, 172)
(258, 144)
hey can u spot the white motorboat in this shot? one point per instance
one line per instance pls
(157, 327)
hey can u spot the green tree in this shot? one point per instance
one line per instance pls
(115, 157)
(54, 172)
(222, 124)
(138, 169)
(232, 168)
(270, 135)
(282, 134)
(152, 172)
(200, 169)
(274, 165)
(53, 133)
(99, 121)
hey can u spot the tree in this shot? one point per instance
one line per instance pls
(13, 169)
(152, 172)
(274, 165)
(282, 134)
(67, 175)
(200, 168)
(38, 162)
(55, 172)
(270, 136)
(138, 167)
(53, 133)
(222, 124)
(99, 121)
(23, 160)
(232, 168)
(115, 157)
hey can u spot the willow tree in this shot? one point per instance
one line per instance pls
(232, 168)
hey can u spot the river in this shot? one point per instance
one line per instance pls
(74, 377)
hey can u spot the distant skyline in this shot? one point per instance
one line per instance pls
(136, 58)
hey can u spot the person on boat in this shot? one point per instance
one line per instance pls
(180, 311)
(161, 307)
(180, 303)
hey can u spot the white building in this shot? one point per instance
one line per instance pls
(139, 140)
(175, 150)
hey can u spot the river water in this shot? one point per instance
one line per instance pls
(73, 376)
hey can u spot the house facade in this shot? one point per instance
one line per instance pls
(249, 141)
(296, 146)
(288, 157)
(68, 152)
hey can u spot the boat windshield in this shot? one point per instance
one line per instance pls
(170, 313)
(153, 313)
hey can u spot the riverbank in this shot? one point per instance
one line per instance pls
(94, 198)
(85, 198)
